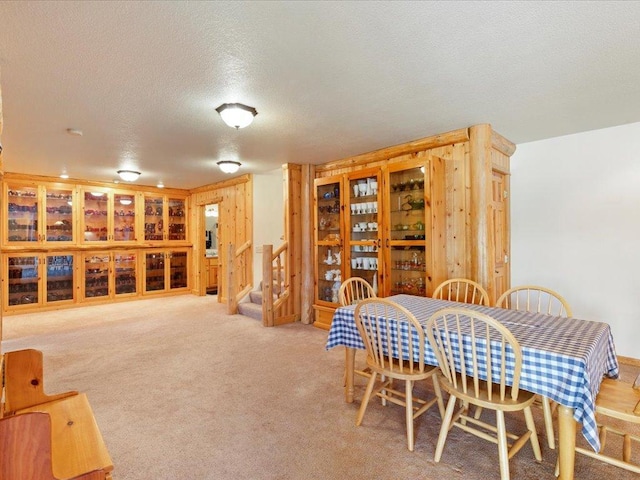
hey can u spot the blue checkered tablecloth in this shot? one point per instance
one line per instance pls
(564, 359)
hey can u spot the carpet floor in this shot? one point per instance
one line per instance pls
(181, 390)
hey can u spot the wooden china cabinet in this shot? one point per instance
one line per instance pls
(408, 217)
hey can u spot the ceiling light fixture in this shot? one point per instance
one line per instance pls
(125, 201)
(160, 185)
(229, 166)
(64, 176)
(236, 115)
(128, 175)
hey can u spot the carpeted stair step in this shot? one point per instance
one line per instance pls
(252, 310)
(256, 296)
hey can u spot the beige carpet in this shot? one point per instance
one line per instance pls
(181, 390)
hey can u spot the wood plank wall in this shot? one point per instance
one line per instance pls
(235, 200)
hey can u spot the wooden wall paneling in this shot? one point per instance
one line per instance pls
(307, 256)
(438, 206)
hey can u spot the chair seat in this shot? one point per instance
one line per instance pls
(618, 400)
(394, 370)
(524, 399)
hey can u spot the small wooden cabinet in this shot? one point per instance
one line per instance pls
(212, 273)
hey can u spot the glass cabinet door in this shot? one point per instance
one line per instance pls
(96, 275)
(408, 224)
(364, 228)
(58, 215)
(177, 215)
(154, 272)
(153, 218)
(23, 276)
(96, 216)
(22, 214)
(124, 217)
(177, 270)
(125, 264)
(60, 285)
(329, 253)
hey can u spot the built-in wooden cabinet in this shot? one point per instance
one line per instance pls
(164, 219)
(70, 243)
(109, 275)
(212, 273)
(37, 279)
(408, 217)
(384, 232)
(38, 214)
(165, 270)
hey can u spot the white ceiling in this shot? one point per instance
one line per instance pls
(329, 79)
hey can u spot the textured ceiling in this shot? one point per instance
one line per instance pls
(329, 79)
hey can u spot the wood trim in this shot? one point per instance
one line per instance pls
(40, 179)
(629, 361)
(501, 144)
(440, 140)
(226, 183)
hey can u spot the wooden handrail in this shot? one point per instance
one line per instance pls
(274, 302)
(236, 265)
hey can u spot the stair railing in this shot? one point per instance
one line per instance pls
(237, 276)
(277, 305)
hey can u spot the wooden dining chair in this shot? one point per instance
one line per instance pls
(395, 345)
(25, 449)
(477, 375)
(618, 402)
(532, 298)
(24, 381)
(352, 291)
(462, 290)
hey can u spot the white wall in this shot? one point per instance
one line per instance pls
(575, 222)
(268, 217)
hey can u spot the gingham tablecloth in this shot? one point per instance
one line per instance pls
(564, 359)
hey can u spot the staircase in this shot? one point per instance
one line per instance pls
(253, 308)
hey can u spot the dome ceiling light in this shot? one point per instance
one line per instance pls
(236, 115)
(229, 166)
(128, 175)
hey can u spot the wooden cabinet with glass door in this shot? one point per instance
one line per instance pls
(38, 214)
(108, 275)
(165, 219)
(165, 271)
(329, 254)
(410, 256)
(108, 216)
(34, 280)
(363, 226)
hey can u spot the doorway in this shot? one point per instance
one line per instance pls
(212, 242)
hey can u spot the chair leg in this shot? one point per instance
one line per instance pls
(366, 398)
(409, 413)
(444, 428)
(548, 422)
(503, 450)
(438, 392)
(535, 443)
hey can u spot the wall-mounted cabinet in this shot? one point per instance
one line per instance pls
(38, 214)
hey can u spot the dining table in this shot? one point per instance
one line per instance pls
(563, 359)
(77, 446)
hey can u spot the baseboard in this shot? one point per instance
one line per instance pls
(629, 361)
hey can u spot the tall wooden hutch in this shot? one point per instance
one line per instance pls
(407, 217)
